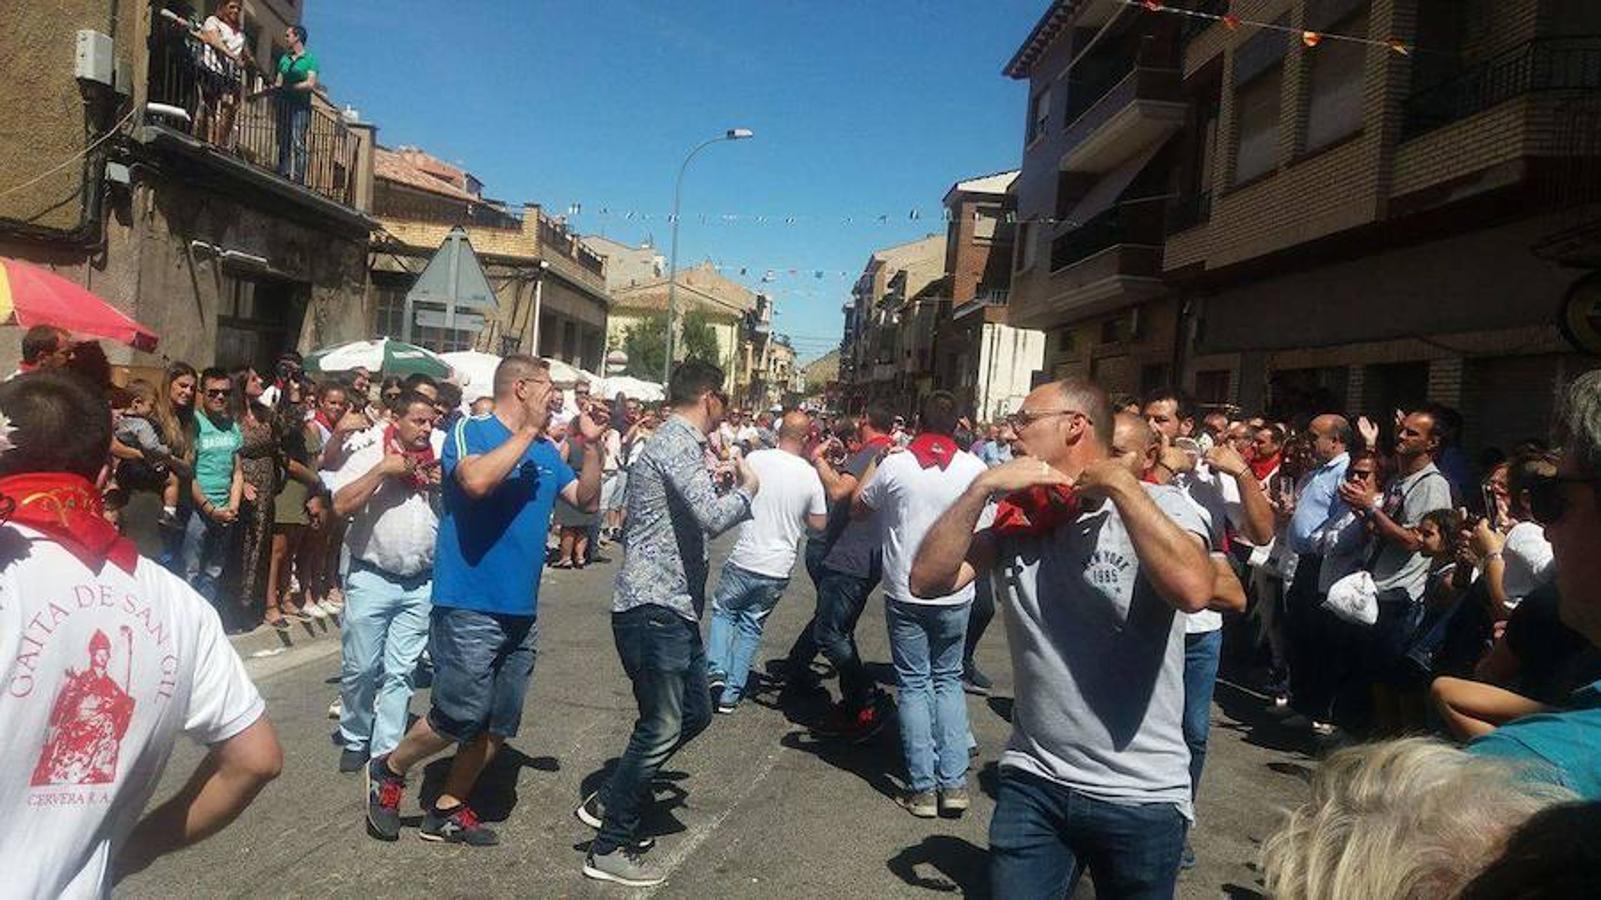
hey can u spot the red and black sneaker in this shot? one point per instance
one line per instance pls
(384, 790)
(457, 825)
(856, 724)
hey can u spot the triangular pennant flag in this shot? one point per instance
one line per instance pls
(1399, 47)
(1311, 38)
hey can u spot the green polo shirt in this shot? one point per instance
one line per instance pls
(294, 70)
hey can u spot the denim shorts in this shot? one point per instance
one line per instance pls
(482, 663)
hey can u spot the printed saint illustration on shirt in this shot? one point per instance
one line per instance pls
(89, 719)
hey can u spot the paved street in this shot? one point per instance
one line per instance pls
(753, 807)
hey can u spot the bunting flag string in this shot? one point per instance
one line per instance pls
(856, 219)
(1232, 22)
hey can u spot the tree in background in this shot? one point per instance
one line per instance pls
(645, 342)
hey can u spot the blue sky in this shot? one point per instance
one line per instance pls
(860, 109)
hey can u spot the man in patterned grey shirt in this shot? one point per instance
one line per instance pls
(661, 589)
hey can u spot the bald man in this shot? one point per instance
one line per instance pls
(792, 502)
(1095, 776)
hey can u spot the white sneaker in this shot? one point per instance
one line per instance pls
(314, 609)
(332, 607)
(336, 708)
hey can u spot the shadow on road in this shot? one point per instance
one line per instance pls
(865, 760)
(656, 818)
(495, 795)
(1247, 713)
(956, 865)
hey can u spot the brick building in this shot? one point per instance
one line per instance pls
(989, 364)
(887, 351)
(549, 284)
(1289, 226)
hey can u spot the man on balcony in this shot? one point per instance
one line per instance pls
(297, 79)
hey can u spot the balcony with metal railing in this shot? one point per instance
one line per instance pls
(200, 93)
(1554, 64)
(1108, 262)
(984, 299)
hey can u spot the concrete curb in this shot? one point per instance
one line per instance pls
(267, 641)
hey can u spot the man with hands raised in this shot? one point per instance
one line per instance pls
(501, 476)
(1094, 567)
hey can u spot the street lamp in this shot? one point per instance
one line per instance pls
(732, 134)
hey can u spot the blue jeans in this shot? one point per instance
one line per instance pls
(1201, 653)
(840, 601)
(663, 656)
(1043, 836)
(739, 610)
(294, 121)
(207, 548)
(482, 665)
(925, 643)
(385, 629)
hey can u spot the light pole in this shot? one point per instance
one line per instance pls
(732, 134)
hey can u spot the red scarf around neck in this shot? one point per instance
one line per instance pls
(67, 509)
(1035, 511)
(422, 459)
(932, 450)
(1262, 468)
(321, 418)
(878, 442)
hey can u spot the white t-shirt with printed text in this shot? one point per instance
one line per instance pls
(101, 674)
(790, 491)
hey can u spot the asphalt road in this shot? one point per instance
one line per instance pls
(755, 807)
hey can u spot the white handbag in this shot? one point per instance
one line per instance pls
(1354, 599)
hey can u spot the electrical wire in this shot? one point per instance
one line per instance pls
(115, 129)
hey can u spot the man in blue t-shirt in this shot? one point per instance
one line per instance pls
(502, 476)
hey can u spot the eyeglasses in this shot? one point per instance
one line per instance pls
(1547, 501)
(1026, 417)
(218, 392)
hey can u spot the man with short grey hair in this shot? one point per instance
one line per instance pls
(1568, 505)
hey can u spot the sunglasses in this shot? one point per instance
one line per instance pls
(218, 392)
(1354, 474)
(1547, 501)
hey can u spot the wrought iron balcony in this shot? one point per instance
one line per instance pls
(233, 109)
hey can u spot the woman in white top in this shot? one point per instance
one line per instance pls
(223, 56)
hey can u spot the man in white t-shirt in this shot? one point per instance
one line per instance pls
(107, 658)
(790, 504)
(1094, 569)
(1230, 497)
(910, 491)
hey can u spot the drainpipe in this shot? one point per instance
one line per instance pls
(539, 300)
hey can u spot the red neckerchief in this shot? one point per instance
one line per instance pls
(321, 418)
(422, 459)
(1035, 511)
(1262, 468)
(67, 509)
(932, 450)
(24, 368)
(874, 443)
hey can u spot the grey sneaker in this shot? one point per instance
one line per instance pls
(621, 866)
(954, 800)
(921, 804)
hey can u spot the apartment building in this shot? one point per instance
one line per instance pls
(1294, 224)
(626, 264)
(549, 284)
(193, 231)
(890, 325)
(989, 364)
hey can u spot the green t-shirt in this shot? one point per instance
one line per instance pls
(214, 452)
(294, 70)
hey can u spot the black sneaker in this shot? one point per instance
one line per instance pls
(715, 682)
(457, 826)
(384, 790)
(351, 761)
(976, 682)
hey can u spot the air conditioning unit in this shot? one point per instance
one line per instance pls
(95, 58)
